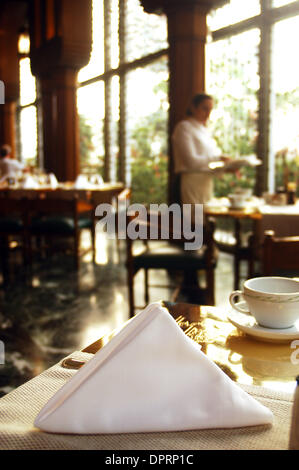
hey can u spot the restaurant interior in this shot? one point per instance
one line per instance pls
(90, 94)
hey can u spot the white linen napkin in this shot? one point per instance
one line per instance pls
(96, 180)
(53, 181)
(150, 377)
(30, 183)
(82, 182)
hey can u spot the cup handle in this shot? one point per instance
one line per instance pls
(232, 296)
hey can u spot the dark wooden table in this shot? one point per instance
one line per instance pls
(239, 253)
(244, 358)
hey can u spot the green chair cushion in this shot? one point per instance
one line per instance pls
(170, 257)
(58, 224)
(11, 224)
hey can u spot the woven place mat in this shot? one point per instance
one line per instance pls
(19, 408)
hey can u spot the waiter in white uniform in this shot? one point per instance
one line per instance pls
(194, 149)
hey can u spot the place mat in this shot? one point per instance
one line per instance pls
(19, 408)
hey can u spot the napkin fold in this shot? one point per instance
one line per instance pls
(30, 183)
(150, 377)
(81, 182)
(53, 181)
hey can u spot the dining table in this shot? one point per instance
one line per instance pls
(282, 219)
(97, 193)
(264, 368)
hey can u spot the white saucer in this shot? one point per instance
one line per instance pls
(249, 325)
(240, 206)
(242, 161)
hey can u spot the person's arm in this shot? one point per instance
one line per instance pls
(16, 165)
(187, 152)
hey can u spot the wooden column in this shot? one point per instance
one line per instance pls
(60, 34)
(263, 176)
(60, 123)
(9, 73)
(187, 32)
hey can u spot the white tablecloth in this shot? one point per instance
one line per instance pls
(19, 408)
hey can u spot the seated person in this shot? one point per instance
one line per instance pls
(9, 167)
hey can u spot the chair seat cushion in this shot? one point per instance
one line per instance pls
(11, 224)
(171, 257)
(58, 224)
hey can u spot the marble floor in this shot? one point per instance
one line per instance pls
(57, 310)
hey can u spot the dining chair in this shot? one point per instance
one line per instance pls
(280, 255)
(171, 256)
(13, 230)
(233, 236)
(51, 218)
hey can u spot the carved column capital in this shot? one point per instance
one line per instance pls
(158, 6)
(61, 36)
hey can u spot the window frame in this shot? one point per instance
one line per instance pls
(269, 15)
(124, 67)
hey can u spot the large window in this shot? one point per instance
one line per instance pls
(233, 12)
(28, 122)
(253, 75)
(233, 81)
(122, 99)
(285, 135)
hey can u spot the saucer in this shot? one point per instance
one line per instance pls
(239, 206)
(248, 324)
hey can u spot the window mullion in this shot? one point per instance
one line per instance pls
(123, 169)
(107, 119)
(264, 178)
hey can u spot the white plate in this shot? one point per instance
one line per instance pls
(236, 163)
(249, 325)
(243, 161)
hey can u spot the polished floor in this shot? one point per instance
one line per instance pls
(56, 310)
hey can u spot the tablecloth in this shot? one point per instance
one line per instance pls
(19, 408)
(284, 220)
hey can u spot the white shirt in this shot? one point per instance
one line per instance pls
(193, 147)
(9, 168)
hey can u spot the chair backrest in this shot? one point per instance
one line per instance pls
(158, 226)
(153, 227)
(10, 206)
(280, 253)
(53, 206)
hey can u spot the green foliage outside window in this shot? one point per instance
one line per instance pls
(149, 168)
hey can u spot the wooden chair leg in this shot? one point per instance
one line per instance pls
(146, 292)
(77, 250)
(210, 280)
(131, 295)
(93, 241)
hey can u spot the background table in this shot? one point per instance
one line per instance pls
(237, 250)
(19, 408)
(284, 220)
(98, 194)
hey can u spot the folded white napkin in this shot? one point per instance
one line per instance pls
(82, 182)
(150, 377)
(30, 183)
(96, 180)
(53, 181)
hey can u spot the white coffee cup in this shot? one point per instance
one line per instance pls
(273, 301)
(238, 200)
